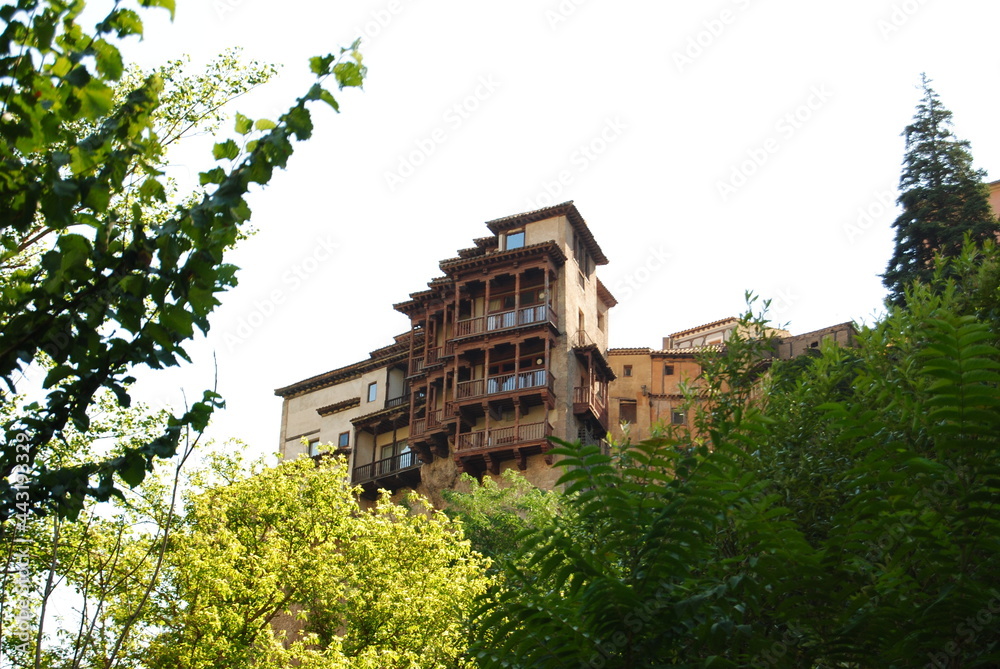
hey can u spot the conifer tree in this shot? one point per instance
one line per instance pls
(943, 197)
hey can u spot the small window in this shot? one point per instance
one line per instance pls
(515, 240)
(627, 411)
(627, 371)
(678, 417)
(313, 448)
(344, 440)
(372, 391)
(668, 370)
(600, 322)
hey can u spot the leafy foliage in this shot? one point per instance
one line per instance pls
(267, 567)
(840, 510)
(116, 288)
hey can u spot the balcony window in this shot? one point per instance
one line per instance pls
(515, 240)
(372, 391)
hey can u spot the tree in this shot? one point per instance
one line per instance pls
(115, 288)
(843, 514)
(265, 567)
(943, 197)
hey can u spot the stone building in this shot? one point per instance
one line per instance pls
(649, 387)
(506, 349)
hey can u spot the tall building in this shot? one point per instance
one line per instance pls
(505, 349)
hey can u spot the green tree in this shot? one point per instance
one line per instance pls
(943, 197)
(495, 515)
(115, 288)
(842, 511)
(288, 548)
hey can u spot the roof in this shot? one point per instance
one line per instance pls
(629, 351)
(706, 326)
(330, 409)
(605, 295)
(567, 209)
(382, 357)
(454, 264)
(688, 350)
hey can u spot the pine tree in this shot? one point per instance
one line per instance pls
(943, 197)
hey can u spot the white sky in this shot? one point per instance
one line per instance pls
(682, 92)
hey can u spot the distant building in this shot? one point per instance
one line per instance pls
(648, 390)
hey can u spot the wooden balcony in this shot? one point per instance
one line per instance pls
(432, 422)
(504, 437)
(586, 400)
(416, 365)
(398, 471)
(476, 452)
(394, 402)
(506, 320)
(504, 383)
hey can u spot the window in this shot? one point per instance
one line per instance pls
(344, 440)
(600, 322)
(678, 417)
(313, 447)
(668, 370)
(627, 411)
(627, 370)
(372, 391)
(515, 240)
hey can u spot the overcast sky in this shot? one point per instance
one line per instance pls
(712, 147)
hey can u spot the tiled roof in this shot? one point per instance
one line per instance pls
(461, 263)
(706, 326)
(567, 209)
(339, 406)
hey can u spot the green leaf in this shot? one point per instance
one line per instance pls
(227, 150)
(243, 124)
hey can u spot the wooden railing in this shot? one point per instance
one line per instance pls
(583, 396)
(385, 467)
(505, 320)
(504, 383)
(397, 401)
(416, 365)
(504, 436)
(431, 421)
